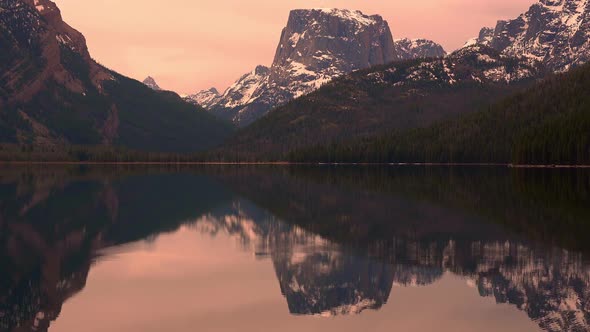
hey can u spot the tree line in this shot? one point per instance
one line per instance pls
(547, 124)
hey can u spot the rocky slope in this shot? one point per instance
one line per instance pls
(52, 93)
(555, 32)
(316, 46)
(406, 49)
(205, 98)
(398, 96)
(151, 83)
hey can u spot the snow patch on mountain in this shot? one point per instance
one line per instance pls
(356, 17)
(204, 98)
(418, 48)
(555, 32)
(476, 63)
(151, 83)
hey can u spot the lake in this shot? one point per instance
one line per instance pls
(294, 248)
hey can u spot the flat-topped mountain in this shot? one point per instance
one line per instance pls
(316, 46)
(555, 32)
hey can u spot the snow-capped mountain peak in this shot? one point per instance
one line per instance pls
(204, 98)
(316, 46)
(418, 48)
(555, 32)
(246, 89)
(151, 83)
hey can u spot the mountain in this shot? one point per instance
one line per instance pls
(52, 93)
(151, 83)
(406, 49)
(247, 93)
(204, 98)
(398, 96)
(555, 32)
(316, 46)
(547, 124)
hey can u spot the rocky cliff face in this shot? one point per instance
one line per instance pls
(316, 46)
(36, 26)
(151, 83)
(555, 32)
(418, 48)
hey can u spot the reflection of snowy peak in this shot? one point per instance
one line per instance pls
(320, 277)
(316, 276)
(316, 46)
(552, 287)
(329, 282)
(556, 32)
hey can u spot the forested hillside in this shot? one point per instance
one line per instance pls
(547, 124)
(53, 95)
(399, 96)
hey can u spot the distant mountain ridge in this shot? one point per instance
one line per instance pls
(316, 46)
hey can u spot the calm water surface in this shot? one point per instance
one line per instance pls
(294, 249)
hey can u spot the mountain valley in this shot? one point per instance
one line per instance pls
(53, 94)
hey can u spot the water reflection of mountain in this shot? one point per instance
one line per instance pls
(501, 229)
(53, 222)
(320, 277)
(315, 275)
(338, 241)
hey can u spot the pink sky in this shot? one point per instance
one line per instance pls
(189, 45)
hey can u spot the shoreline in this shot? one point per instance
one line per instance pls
(284, 163)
